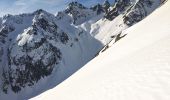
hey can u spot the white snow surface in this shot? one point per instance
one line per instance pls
(135, 68)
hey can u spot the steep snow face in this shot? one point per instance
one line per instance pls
(136, 68)
(34, 46)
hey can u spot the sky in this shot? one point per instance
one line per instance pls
(27, 6)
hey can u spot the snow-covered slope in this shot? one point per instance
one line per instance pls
(135, 68)
(122, 15)
(39, 50)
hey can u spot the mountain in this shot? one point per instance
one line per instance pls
(39, 50)
(118, 17)
(76, 13)
(33, 46)
(136, 67)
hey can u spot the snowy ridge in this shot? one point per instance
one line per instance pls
(135, 68)
(118, 18)
(33, 46)
(38, 51)
(76, 13)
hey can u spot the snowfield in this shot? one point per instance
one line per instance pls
(135, 68)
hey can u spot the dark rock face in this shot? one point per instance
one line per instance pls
(74, 9)
(133, 12)
(9, 25)
(25, 70)
(76, 13)
(53, 29)
(138, 12)
(29, 60)
(98, 8)
(119, 7)
(106, 6)
(4, 32)
(75, 4)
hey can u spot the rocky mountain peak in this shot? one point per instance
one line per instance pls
(98, 8)
(27, 41)
(133, 10)
(76, 5)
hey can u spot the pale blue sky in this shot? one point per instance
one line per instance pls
(24, 6)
